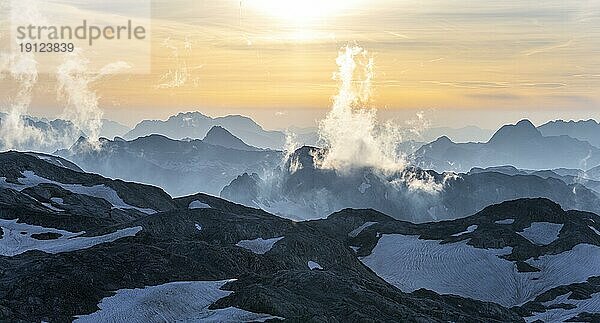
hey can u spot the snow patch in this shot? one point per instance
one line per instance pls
(100, 191)
(14, 243)
(594, 229)
(50, 159)
(506, 221)
(354, 233)
(312, 265)
(457, 268)
(470, 229)
(198, 227)
(58, 200)
(171, 302)
(542, 233)
(198, 205)
(259, 246)
(49, 206)
(295, 211)
(590, 305)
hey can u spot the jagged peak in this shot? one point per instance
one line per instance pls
(443, 140)
(219, 136)
(218, 130)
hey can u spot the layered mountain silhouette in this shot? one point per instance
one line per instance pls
(103, 249)
(111, 129)
(463, 134)
(585, 130)
(179, 167)
(301, 190)
(520, 145)
(589, 179)
(196, 125)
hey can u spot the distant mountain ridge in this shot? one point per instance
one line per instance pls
(463, 134)
(520, 145)
(589, 179)
(111, 129)
(196, 125)
(585, 130)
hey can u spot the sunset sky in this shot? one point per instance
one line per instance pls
(462, 62)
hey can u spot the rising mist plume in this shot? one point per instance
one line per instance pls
(351, 132)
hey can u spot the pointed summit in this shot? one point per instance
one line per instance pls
(220, 136)
(443, 141)
(524, 130)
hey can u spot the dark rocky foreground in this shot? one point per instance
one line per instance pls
(181, 244)
(196, 238)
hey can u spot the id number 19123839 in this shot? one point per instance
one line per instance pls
(46, 47)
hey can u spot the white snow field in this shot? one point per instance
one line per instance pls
(259, 246)
(560, 315)
(470, 229)
(198, 205)
(51, 159)
(16, 239)
(459, 269)
(312, 265)
(51, 207)
(594, 229)
(294, 211)
(100, 191)
(171, 302)
(57, 200)
(505, 221)
(354, 233)
(542, 233)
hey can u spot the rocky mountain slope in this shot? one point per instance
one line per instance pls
(529, 255)
(300, 190)
(81, 246)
